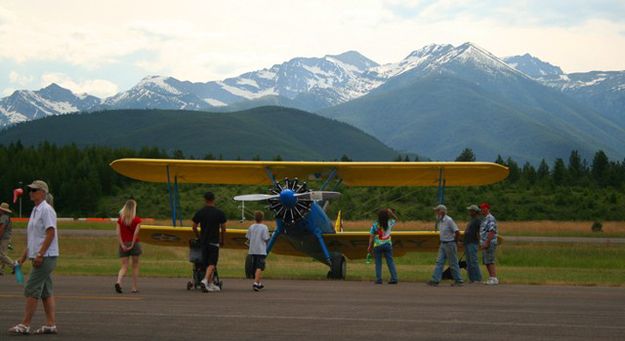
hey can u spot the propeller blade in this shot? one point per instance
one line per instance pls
(318, 195)
(255, 197)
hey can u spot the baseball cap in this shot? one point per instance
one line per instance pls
(473, 208)
(440, 207)
(484, 205)
(39, 184)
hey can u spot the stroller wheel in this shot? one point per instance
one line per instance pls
(189, 285)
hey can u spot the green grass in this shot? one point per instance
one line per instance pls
(520, 263)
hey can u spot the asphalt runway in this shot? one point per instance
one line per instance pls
(89, 309)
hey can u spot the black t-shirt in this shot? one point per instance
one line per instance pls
(209, 218)
(471, 234)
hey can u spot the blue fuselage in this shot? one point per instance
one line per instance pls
(304, 234)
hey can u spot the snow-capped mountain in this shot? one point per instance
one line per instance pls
(328, 81)
(433, 58)
(603, 91)
(316, 83)
(442, 98)
(533, 66)
(24, 105)
(156, 92)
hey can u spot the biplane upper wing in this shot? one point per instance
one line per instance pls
(233, 239)
(350, 173)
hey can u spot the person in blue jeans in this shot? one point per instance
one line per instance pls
(448, 250)
(472, 244)
(381, 244)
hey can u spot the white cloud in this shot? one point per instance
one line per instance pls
(202, 40)
(20, 80)
(7, 91)
(97, 87)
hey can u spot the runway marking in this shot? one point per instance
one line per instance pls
(76, 297)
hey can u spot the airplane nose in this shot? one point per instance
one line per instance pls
(287, 198)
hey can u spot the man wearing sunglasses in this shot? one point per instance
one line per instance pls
(42, 249)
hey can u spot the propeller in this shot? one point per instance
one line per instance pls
(291, 200)
(254, 197)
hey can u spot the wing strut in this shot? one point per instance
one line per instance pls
(270, 176)
(177, 207)
(278, 231)
(171, 199)
(441, 186)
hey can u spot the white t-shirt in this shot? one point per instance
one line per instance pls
(448, 229)
(42, 217)
(258, 235)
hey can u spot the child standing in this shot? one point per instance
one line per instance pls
(257, 236)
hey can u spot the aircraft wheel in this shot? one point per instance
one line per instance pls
(249, 267)
(338, 269)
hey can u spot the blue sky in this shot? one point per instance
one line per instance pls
(106, 47)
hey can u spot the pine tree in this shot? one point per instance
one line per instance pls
(466, 155)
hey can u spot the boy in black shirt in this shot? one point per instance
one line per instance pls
(213, 227)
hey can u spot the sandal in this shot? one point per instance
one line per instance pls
(118, 288)
(19, 329)
(46, 330)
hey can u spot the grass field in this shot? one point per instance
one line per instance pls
(571, 264)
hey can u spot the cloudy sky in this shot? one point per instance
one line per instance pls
(103, 47)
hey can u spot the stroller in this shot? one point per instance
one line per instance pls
(199, 271)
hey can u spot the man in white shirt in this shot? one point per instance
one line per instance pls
(448, 250)
(42, 249)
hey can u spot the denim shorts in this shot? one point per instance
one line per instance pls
(488, 255)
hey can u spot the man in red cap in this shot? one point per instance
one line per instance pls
(488, 242)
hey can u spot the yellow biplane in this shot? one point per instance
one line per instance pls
(302, 226)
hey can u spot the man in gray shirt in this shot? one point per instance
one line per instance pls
(5, 237)
(448, 250)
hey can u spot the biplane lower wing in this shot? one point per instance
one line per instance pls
(352, 244)
(233, 239)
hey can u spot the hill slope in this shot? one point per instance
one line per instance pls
(265, 131)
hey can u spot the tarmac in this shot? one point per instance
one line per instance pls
(89, 309)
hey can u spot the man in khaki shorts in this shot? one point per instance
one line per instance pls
(42, 249)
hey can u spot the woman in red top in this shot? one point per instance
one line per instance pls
(128, 226)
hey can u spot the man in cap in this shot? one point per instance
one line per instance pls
(471, 244)
(488, 242)
(42, 249)
(5, 238)
(448, 250)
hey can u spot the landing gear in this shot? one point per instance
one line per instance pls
(249, 267)
(338, 268)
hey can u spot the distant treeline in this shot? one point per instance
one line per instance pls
(84, 184)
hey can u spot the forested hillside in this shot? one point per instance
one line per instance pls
(84, 185)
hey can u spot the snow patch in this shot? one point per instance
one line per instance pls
(159, 82)
(214, 102)
(247, 81)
